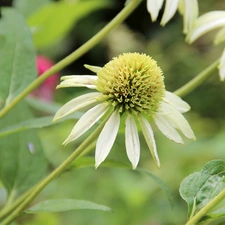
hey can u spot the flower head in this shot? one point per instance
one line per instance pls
(133, 85)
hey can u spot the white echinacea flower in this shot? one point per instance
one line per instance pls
(208, 22)
(133, 85)
(188, 8)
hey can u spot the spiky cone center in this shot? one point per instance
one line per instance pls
(132, 83)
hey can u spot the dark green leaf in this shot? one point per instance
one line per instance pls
(22, 161)
(60, 205)
(17, 54)
(53, 21)
(201, 187)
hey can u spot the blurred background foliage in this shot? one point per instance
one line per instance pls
(135, 198)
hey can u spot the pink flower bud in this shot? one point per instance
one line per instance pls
(46, 90)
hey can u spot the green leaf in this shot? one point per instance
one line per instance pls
(53, 21)
(201, 187)
(161, 184)
(89, 161)
(17, 54)
(34, 123)
(22, 161)
(214, 215)
(28, 7)
(26, 125)
(61, 205)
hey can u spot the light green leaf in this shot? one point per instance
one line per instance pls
(89, 161)
(53, 21)
(22, 161)
(201, 187)
(61, 205)
(34, 123)
(17, 54)
(27, 124)
(214, 215)
(27, 7)
(161, 184)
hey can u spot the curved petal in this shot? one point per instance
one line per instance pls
(86, 122)
(190, 14)
(167, 128)
(220, 36)
(170, 10)
(132, 141)
(77, 104)
(107, 138)
(206, 23)
(177, 120)
(153, 7)
(94, 69)
(78, 81)
(149, 138)
(222, 66)
(176, 102)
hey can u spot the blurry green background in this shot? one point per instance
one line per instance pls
(135, 198)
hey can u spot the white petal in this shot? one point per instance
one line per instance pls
(149, 138)
(222, 66)
(153, 7)
(220, 36)
(176, 102)
(132, 141)
(177, 120)
(78, 81)
(167, 129)
(206, 23)
(77, 104)
(190, 14)
(94, 69)
(107, 138)
(86, 122)
(170, 10)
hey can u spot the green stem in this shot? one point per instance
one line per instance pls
(199, 79)
(54, 174)
(8, 208)
(128, 9)
(195, 219)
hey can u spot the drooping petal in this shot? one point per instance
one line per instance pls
(206, 23)
(220, 36)
(94, 69)
(222, 66)
(177, 120)
(77, 104)
(170, 10)
(86, 122)
(167, 128)
(107, 138)
(176, 102)
(149, 138)
(189, 10)
(78, 81)
(132, 141)
(153, 7)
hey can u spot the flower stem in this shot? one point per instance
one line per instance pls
(128, 9)
(196, 218)
(53, 175)
(196, 81)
